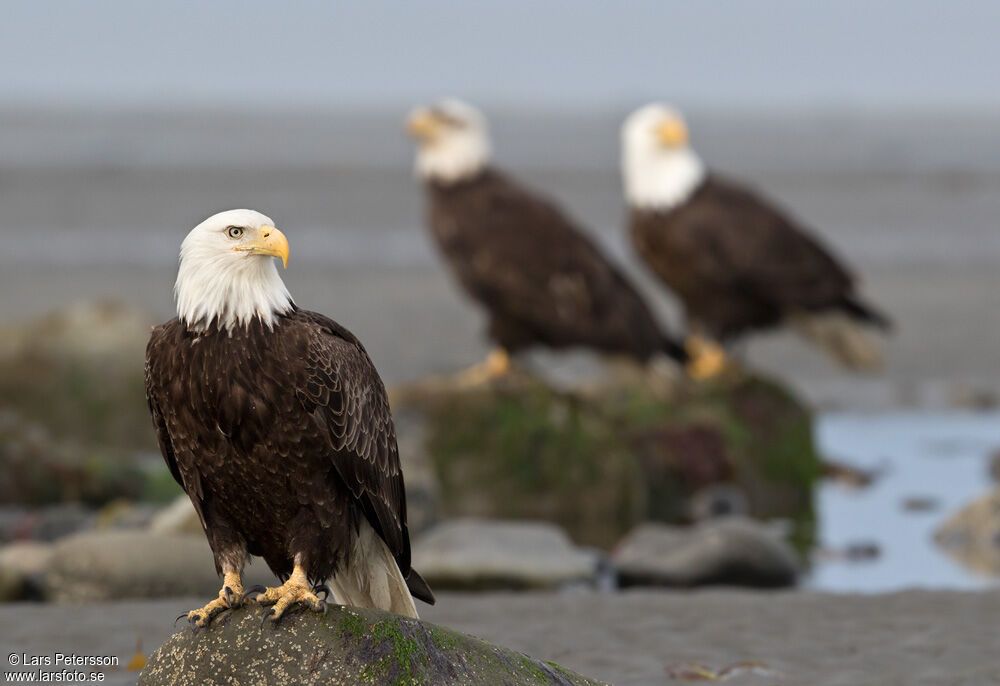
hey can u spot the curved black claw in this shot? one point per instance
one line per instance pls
(180, 617)
(267, 615)
(324, 589)
(195, 626)
(232, 600)
(323, 604)
(252, 592)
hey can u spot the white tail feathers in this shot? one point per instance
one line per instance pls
(845, 338)
(371, 578)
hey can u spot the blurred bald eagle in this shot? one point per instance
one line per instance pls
(735, 261)
(276, 424)
(541, 280)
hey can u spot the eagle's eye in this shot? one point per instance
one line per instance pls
(235, 231)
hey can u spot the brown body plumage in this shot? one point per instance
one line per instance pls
(541, 280)
(737, 263)
(283, 439)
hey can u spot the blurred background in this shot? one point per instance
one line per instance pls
(122, 125)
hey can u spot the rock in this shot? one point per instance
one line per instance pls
(972, 535)
(125, 514)
(53, 522)
(179, 517)
(849, 475)
(919, 503)
(732, 551)
(478, 554)
(995, 466)
(29, 558)
(345, 646)
(27, 561)
(12, 586)
(599, 460)
(114, 564)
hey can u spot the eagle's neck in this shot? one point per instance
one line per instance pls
(658, 180)
(453, 158)
(225, 293)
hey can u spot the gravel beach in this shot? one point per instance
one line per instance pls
(792, 638)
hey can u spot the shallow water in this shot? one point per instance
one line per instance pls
(940, 456)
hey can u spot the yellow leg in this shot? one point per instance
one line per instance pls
(496, 365)
(295, 590)
(231, 595)
(708, 359)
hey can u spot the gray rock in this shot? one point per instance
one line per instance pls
(480, 554)
(345, 646)
(22, 570)
(109, 565)
(734, 551)
(178, 517)
(12, 586)
(53, 522)
(972, 535)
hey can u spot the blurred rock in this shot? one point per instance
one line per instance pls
(995, 466)
(86, 329)
(28, 558)
(125, 514)
(968, 397)
(12, 586)
(26, 561)
(601, 459)
(718, 500)
(734, 552)
(849, 475)
(475, 554)
(972, 535)
(53, 522)
(110, 565)
(345, 647)
(178, 517)
(919, 503)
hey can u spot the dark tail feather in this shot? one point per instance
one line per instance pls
(419, 588)
(675, 350)
(866, 313)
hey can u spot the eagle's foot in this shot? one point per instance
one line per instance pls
(230, 596)
(295, 590)
(496, 365)
(708, 358)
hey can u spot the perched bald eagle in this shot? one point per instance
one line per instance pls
(541, 280)
(735, 261)
(277, 425)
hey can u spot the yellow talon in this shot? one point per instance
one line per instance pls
(708, 359)
(295, 590)
(496, 365)
(229, 596)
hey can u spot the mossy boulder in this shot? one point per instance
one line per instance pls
(600, 460)
(346, 646)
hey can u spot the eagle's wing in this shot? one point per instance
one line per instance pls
(344, 395)
(154, 378)
(751, 245)
(532, 263)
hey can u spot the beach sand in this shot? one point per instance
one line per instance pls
(913, 638)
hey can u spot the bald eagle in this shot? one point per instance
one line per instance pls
(736, 262)
(276, 423)
(541, 280)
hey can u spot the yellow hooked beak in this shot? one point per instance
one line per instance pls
(271, 242)
(422, 125)
(672, 133)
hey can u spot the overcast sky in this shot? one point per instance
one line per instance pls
(759, 54)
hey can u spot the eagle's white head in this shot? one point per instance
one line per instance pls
(659, 169)
(453, 140)
(227, 273)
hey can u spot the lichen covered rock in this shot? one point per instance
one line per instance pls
(345, 646)
(601, 460)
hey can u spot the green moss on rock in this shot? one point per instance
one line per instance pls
(346, 646)
(600, 461)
